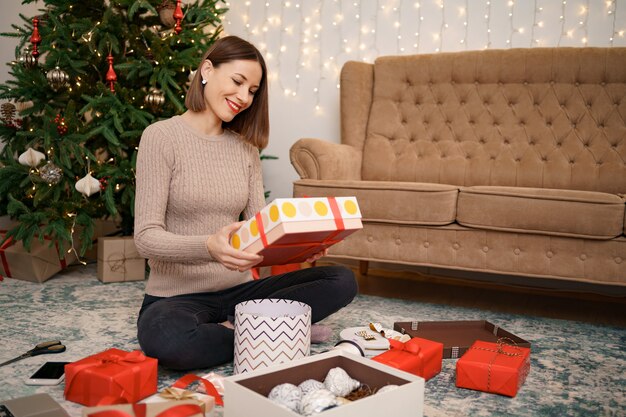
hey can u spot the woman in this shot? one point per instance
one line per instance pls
(196, 174)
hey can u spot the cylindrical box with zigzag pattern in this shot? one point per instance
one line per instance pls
(270, 331)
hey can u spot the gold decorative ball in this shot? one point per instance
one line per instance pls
(57, 78)
(155, 99)
(166, 13)
(27, 59)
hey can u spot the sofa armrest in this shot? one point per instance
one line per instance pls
(321, 160)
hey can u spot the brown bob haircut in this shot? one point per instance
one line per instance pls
(253, 123)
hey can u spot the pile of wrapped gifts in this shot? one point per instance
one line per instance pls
(369, 368)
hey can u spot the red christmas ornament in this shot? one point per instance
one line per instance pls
(61, 126)
(178, 15)
(35, 38)
(111, 75)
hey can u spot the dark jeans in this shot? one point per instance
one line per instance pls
(183, 332)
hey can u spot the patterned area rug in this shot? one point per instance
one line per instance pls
(577, 369)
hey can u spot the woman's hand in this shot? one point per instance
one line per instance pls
(233, 259)
(317, 256)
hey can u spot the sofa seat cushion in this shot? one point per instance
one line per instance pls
(390, 202)
(586, 214)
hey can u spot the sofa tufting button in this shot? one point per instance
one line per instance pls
(549, 254)
(618, 260)
(426, 244)
(398, 242)
(456, 246)
(517, 251)
(485, 249)
(370, 238)
(582, 257)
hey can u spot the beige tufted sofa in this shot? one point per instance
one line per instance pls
(501, 161)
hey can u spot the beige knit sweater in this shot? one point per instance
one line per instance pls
(189, 185)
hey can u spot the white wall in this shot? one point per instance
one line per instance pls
(321, 35)
(305, 43)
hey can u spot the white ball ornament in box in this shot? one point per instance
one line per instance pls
(31, 158)
(87, 185)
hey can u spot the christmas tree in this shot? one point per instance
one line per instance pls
(89, 76)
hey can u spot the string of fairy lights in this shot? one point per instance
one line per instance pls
(305, 43)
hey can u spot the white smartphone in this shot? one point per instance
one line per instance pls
(50, 373)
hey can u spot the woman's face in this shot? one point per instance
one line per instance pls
(230, 87)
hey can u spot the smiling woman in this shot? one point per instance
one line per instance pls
(196, 174)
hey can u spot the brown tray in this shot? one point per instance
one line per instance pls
(457, 336)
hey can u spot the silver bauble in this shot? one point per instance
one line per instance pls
(57, 78)
(51, 173)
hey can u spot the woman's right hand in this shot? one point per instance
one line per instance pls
(219, 247)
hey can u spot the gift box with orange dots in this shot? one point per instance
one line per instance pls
(290, 230)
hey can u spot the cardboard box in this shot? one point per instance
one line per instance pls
(457, 336)
(246, 394)
(119, 261)
(113, 374)
(151, 410)
(421, 357)
(498, 368)
(38, 265)
(290, 230)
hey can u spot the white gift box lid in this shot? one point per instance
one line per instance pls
(246, 394)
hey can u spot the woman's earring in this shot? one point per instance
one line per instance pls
(203, 82)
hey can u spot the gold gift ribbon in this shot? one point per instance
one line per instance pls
(501, 342)
(179, 395)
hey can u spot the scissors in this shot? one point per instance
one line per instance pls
(54, 346)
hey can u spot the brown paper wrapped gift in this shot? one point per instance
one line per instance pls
(185, 408)
(41, 263)
(118, 260)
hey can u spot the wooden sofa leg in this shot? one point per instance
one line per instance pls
(363, 265)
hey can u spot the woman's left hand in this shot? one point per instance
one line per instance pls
(317, 256)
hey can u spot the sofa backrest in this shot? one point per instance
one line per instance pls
(540, 117)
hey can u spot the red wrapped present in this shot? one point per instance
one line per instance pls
(499, 368)
(111, 376)
(421, 357)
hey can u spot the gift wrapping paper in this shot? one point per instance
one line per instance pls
(499, 368)
(118, 260)
(290, 230)
(111, 376)
(421, 357)
(270, 331)
(38, 265)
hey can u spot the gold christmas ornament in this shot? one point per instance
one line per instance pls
(27, 59)
(51, 173)
(155, 99)
(57, 78)
(87, 185)
(166, 13)
(31, 158)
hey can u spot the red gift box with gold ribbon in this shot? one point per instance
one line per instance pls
(112, 376)
(499, 368)
(421, 357)
(37, 265)
(291, 230)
